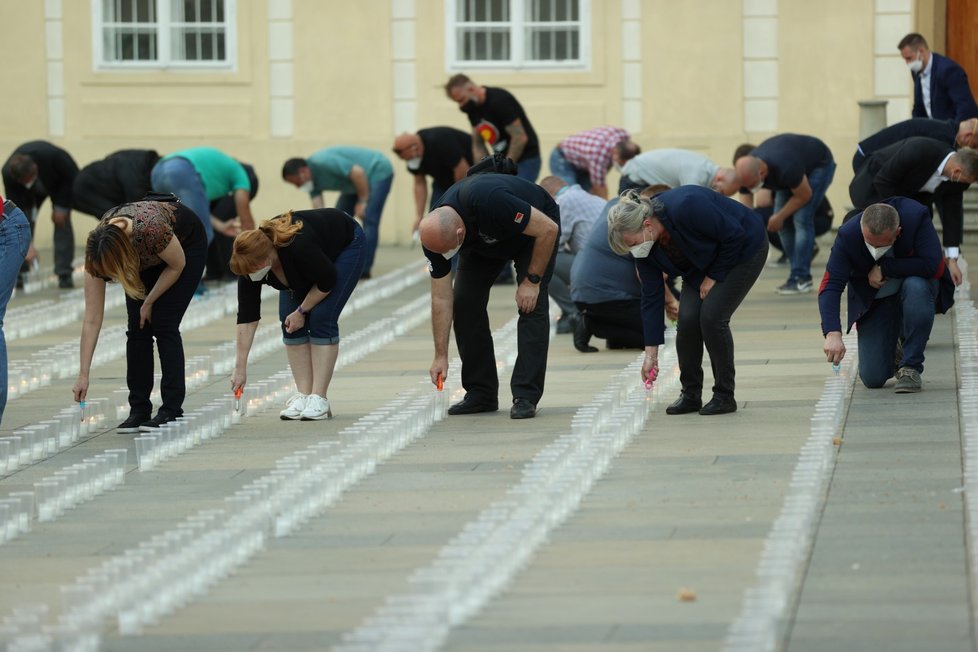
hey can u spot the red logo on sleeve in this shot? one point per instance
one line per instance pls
(518, 218)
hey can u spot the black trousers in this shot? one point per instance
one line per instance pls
(707, 322)
(619, 322)
(164, 327)
(477, 270)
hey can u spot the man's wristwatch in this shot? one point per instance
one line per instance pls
(301, 311)
(533, 278)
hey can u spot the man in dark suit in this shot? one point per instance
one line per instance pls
(119, 178)
(928, 171)
(33, 172)
(949, 132)
(890, 260)
(940, 85)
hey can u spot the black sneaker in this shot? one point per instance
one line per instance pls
(156, 422)
(132, 423)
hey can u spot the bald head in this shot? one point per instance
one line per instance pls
(750, 169)
(552, 185)
(408, 146)
(441, 230)
(726, 181)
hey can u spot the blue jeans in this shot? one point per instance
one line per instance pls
(371, 221)
(178, 175)
(798, 235)
(322, 324)
(560, 167)
(529, 169)
(909, 313)
(15, 238)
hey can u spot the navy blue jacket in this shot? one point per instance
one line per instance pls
(950, 95)
(916, 252)
(715, 233)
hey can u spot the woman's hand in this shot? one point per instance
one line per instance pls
(80, 389)
(294, 322)
(706, 286)
(238, 380)
(145, 313)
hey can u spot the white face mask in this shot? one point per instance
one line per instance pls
(878, 252)
(451, 252)
(758, 187)
(307, 187)
(31, 183)
(916, 65)
(617, 166)
(642, 250)
(259, 274)
(414, 163)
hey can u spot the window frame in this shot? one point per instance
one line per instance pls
(164, 28)
(518, 27)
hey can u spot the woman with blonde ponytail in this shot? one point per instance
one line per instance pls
(314, 259)
(155, 249)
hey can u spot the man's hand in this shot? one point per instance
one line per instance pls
(526, 296)
(439, 367)
(238, 380)
(776, 223)
(31, 254)
(80, 389)
(651, 362)
(59, 217)
(834, 348)
(956, 275)
(876, 278)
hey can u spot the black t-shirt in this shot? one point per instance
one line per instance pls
(496, 211)
(492, 116)
(444, 147)
(790, 157)
(306, 261)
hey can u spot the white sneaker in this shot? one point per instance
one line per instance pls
(317, 408)
(294, 408)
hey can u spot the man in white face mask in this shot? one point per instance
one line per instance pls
(940, 85)
(890, 260)
(442, 153)
(487, 220)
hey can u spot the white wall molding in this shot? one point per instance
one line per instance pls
(281, 69)
(631, 73)
(54, 53)
(404, 65)
(761, 68)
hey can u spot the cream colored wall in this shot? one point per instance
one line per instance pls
(691, 71)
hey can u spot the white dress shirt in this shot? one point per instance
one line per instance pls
(925, 83)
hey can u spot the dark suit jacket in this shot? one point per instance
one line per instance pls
(900, 169)
(56, 171)
(945, 131)
(950, 95)
(916, 252)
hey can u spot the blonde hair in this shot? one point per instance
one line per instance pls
(252, 248)
(110, 255)
(627, 216)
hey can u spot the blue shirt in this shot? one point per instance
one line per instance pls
(598, 274)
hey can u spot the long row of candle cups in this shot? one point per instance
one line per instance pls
(766, 608)
(490, 551)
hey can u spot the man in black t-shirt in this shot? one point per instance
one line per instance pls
(499, 124)
(798, 169)
(443, 153)
(488, 220)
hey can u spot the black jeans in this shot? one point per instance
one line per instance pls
(707, 322)
(619, 322)
(476, 273)
(164, 326)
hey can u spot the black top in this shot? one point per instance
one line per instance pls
(496, 210)
(790, 157)
(444, 147)
(491, 117)
(56, 172)
(307, 260)
(120, 177)
(224, 207)
(945, 131)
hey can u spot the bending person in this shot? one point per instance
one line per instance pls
(719, 247)
(156, 251)
(314, 259)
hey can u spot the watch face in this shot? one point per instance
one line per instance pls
(533, 278)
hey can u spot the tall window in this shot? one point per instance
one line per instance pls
(518, 33)
(164, 33)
